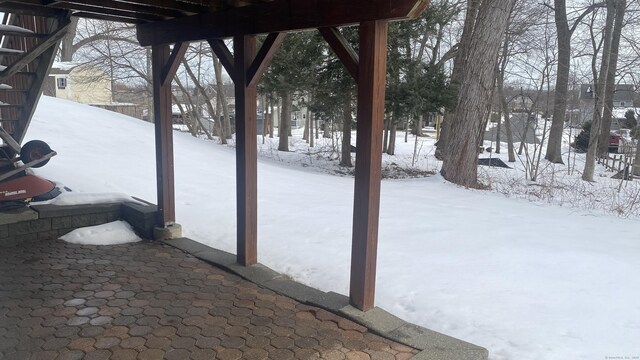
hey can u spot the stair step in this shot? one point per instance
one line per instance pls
(11, 52)
(12, 30)
(5, 105)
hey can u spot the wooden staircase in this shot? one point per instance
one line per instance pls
(28, 46)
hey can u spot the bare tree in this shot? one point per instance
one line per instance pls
(599, 93)
(564, 33)
(458, 72)
(466, 128)
(610, 85)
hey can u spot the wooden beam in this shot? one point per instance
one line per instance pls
(276, 16)
(109, 5)
(244, 50)
(164, 138)
(172, 5)
(126, 20)
(371, 92)
(342, 49)
(27, 9)
(99, 10)
(261, 62)
(173, 63)
(224, 55)
(33, 54)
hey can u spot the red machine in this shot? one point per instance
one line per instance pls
(17, 187)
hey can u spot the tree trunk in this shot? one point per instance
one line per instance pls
(305, 134)
(636, 160)
(187, 119)
(198, 86)
(590, 162)
(406, 130)
(393, 127)
(270, 118)
(327, 131)
(184, 115)
(498, 130)
(217, 65)
(66, 46)
(456, 75)
(417, 130)
(217, 117)
(385, 138)
(311, 128)
(554, 146)
(610, 88)
(346, 132)
(150, 116)
(460, 164)
(504, 106)
(285, 121)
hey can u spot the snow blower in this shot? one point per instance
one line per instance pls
(17, 186)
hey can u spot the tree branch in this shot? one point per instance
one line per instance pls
(586, 12)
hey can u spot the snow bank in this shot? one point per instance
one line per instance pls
(72, 198)
(114, 233)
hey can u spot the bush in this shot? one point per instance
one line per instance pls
(582, 140)
(629, 121)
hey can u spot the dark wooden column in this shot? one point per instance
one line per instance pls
(246, 66)
(244, 53)
(164, 138)
(165, 64)
(372, 72)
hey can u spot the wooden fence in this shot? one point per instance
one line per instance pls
(622, 162)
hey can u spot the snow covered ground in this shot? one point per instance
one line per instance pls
(527, 280)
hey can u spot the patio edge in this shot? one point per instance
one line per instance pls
(432, 345)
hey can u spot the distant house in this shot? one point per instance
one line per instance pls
(80, 83)
(521, 103)
(622, 98)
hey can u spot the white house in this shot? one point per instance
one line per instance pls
(84, 84)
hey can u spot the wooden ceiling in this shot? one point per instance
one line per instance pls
(128, 11)
(162, 22)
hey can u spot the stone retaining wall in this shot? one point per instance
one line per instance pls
(52, 221)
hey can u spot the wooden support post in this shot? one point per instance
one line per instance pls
(164, 137)
(245, 67)
(371, 92)
(246, 150)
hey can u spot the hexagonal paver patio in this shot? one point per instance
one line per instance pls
(151, 301)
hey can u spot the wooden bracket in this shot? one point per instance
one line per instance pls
(263, 58)
(224, 55)
(259, 63)
(343, 50)
(173, 63)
